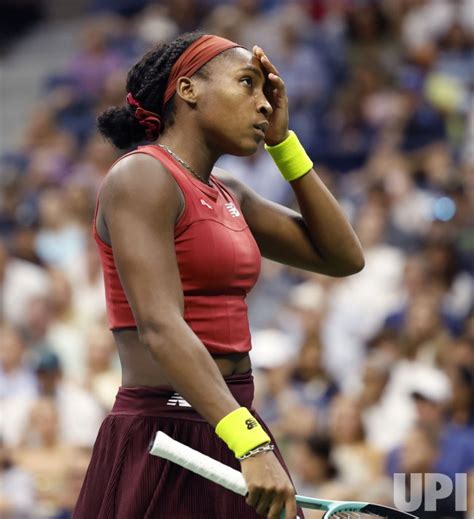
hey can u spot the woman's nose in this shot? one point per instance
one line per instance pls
(264, 106)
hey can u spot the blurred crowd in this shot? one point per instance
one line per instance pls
(359, 377)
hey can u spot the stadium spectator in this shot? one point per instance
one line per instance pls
(102, 377)
(17, 495)
(359, 463)
(42, 454)
(16, 378)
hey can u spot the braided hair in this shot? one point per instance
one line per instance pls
(147, 81)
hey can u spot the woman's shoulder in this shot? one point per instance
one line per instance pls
(139, 179)
(133, 167)
(137, 173)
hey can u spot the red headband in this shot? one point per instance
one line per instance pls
(194, 57)
(191, 60)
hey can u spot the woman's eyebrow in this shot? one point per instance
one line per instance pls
(255, 70)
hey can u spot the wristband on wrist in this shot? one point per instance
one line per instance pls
(241, 432)
(290, 157)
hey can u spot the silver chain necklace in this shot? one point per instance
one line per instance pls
(183, 163)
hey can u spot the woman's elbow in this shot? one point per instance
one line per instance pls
(156, 332)
(356, 265)
(354, 260)
(348, 266)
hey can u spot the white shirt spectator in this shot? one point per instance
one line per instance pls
(23, 281)
(68, 343)
(20, 382)
(426, 22)
(16, 378)
(58, 247)
(13, 418)
(358, 306)
(430, 20)
(392, 417)
(80, 416)
(388, 421)
(16, 488)
(87, 282)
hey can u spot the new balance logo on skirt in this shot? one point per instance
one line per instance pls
(177, 399)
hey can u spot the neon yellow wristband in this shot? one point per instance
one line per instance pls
(290, 157)
(241, 431)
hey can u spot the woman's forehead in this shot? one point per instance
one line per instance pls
(237, 59)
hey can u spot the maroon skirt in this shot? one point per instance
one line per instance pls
(124, 481)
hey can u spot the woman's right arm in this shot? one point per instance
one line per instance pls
(140, 202)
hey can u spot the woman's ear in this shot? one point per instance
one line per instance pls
(186, 89)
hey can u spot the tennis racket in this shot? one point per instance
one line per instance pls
(232, 479)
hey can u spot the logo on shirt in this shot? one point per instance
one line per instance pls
(177, 400)
(232, 210)
(203, 202)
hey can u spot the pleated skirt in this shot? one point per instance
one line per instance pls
(124, 481)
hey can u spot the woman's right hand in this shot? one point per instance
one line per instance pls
(270, 490)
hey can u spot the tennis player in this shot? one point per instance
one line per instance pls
(181, 244)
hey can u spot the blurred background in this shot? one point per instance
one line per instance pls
(359, 377)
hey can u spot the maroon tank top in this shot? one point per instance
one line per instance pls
(218, 259)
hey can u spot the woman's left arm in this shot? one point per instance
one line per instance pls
(319, 239)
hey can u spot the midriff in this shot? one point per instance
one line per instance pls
(139, 368)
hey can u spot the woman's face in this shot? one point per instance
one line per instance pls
(232, 101)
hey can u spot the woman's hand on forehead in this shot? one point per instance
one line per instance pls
(268, 66)
(275, 92)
